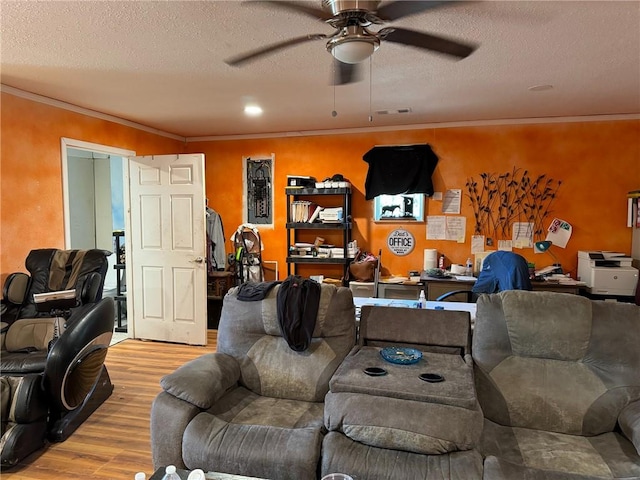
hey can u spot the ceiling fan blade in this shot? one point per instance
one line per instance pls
(400, 8)
(316, 13)
(247, 57)
(427, 41)
(345, 73)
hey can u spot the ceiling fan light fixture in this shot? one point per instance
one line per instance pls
(354, 44)
(354, 51)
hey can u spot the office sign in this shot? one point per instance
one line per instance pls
(401, 242)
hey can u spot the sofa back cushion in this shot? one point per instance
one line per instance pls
(556, 362)
(440, 331)
(249, 331)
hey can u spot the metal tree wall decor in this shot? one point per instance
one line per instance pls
(499, 200)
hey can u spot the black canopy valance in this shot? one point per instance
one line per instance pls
(399, 169)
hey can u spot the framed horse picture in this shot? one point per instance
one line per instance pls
(401, 207)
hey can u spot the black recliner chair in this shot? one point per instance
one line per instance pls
(49, 406)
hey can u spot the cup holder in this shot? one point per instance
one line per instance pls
(431, 377)
(375, 371)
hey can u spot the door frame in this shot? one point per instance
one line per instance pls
(66, 143)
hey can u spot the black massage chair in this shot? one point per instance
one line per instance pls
(56, 329)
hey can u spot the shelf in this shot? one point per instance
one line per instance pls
(121, 295)
(335, 261)
(317, 191)
(344, 227)
(320, 226)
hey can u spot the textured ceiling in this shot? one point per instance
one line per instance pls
(161, 64)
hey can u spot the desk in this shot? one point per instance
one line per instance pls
(435, 287)
(543, 286)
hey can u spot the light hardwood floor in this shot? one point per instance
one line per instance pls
(114, 443)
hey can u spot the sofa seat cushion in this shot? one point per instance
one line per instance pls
(498, 469)
(418, 427)
(243, 406)
(341, 454)
(260, 451)
(249, 434)
(608, 455)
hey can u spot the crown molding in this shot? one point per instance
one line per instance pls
(84, 111)
(422, 126)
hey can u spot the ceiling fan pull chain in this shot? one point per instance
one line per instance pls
(370, 82)
(333, 112)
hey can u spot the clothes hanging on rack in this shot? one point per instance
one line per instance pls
(216, 255)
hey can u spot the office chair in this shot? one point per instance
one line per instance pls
(501, 270)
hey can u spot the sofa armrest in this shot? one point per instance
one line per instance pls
(629, 421)
(203, 380)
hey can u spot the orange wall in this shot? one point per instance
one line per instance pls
(31, 171)
(597, 162)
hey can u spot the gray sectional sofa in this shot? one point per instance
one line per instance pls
(558, 379)
(550, 390)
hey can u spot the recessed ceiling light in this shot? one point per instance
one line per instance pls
(540, 88)
(252, 110)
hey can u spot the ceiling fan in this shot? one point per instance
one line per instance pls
(354, 41)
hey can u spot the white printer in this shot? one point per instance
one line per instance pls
(607, 273)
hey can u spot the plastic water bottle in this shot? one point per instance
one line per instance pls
(422, 301)
(469, 268)
(170, 473)
(196, 474)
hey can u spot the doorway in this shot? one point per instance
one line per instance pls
(95, 195)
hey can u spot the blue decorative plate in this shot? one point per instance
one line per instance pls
(401, 355)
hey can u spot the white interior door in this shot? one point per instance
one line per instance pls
(167, 264)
